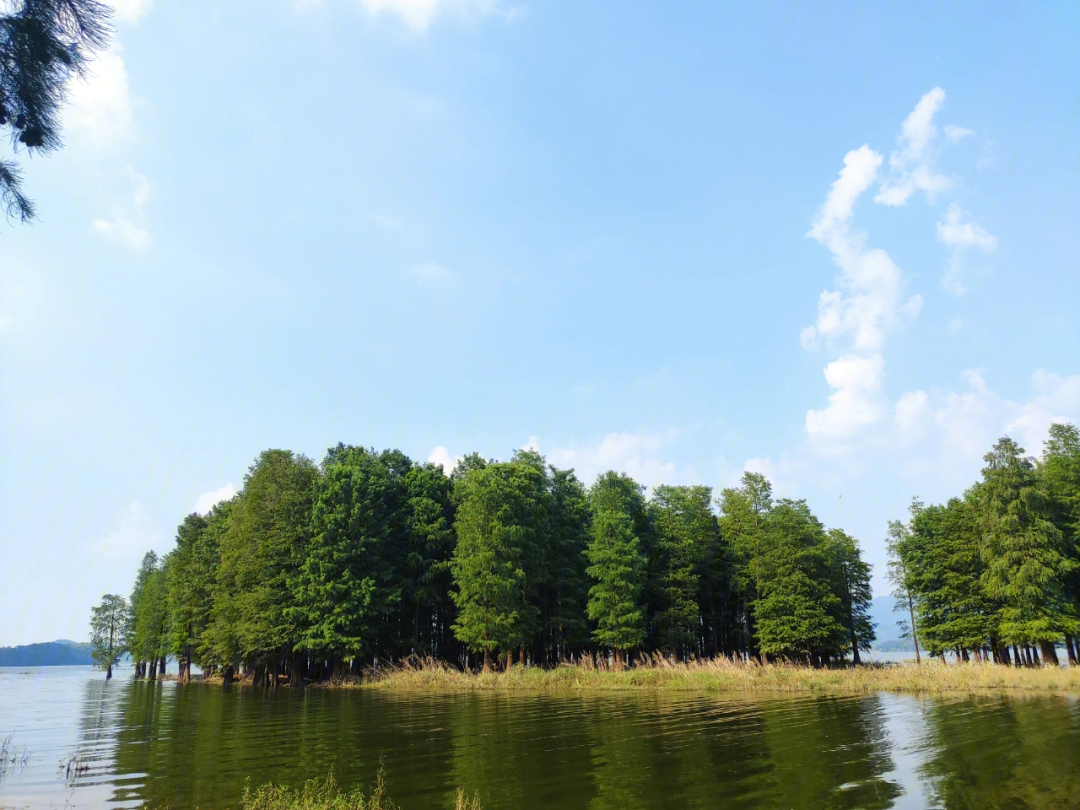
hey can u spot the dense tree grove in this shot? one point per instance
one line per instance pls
(316, 571)
(995, 575)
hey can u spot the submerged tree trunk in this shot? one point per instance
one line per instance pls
(108, 672)
(153, 669)
(227, 676)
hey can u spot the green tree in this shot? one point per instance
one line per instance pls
(501, 510)
(1059, 471)
(109, 622)
(796, 612)
(347, 584)
(426, 579)
(1026, 564)
(901, 578)
(262, 552)
(147, 637)
(616, 563)
(687, 538)
(564, 591)
(851, 583)
(44, 44)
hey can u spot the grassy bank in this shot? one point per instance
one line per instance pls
(723, 675)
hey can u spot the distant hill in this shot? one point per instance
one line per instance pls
(48, 654)
(888, 634)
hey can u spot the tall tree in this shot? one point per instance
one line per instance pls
(109, 622)
(347, 584)
(616, 563)
(44, 44)
(1060, 472)
(687, 538)
(851, 583)
(900, 577)
(500, 512)
(262, 552)
(1024, 551)
(147, 638)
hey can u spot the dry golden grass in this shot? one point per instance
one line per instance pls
(724, 675)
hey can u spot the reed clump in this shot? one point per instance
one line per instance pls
(326, 794)
(725, 675)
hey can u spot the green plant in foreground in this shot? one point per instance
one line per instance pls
(325, 794)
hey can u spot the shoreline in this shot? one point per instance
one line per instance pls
(716, 676)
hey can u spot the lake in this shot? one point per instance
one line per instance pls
(157, 745)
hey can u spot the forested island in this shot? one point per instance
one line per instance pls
(318, 572)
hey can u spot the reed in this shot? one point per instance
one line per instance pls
(725, 675)
(325, 794)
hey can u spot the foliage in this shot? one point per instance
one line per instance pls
(44, 45)
(109, 624)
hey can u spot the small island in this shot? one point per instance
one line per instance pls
(370, 569)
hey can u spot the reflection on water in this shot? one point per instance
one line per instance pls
(157, 745)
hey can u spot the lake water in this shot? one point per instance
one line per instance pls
(159, 745)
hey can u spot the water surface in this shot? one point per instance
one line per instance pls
(158, 745)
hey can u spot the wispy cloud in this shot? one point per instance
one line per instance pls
(99, 110)
(208, 500)
(910, 165)
(131, 11)
(124, 225)
(419, 15)
(961, 237)
(132, 533)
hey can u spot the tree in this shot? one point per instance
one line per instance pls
(851, 583)
(147, 637)
(347, 584)
(44, 44)
(564, 591)
(500, 513)
(898, 575)
(1059, 471)
(796, 614)
(108, 631)
(1024, 552)
(687, 538)
(262, 552)
(616, 563)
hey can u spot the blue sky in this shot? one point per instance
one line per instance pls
(836, 244)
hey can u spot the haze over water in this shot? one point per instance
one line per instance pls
(158, 745)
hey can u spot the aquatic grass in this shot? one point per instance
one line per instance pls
(325, 794)
(725, 675)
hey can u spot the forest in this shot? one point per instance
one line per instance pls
(994, 575)
(321, 571)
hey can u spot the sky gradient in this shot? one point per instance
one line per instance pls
(837, 245)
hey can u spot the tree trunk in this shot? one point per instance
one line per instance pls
(108, 672)
(153, 669)
(914, 635)
(227, 676)
(1070, 650)
(1049, 654)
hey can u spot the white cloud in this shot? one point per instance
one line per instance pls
(208, 500)
(961, 236)
(131, 11)
(856, 401)
(420, 14)
(99, 109)
(942, 436)
(132, 533)
(872, 286)
(956, 233)
(910, 164)
(123, 227)
(956, 134)
(639, 455)
(430, 273)
(441, 456)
